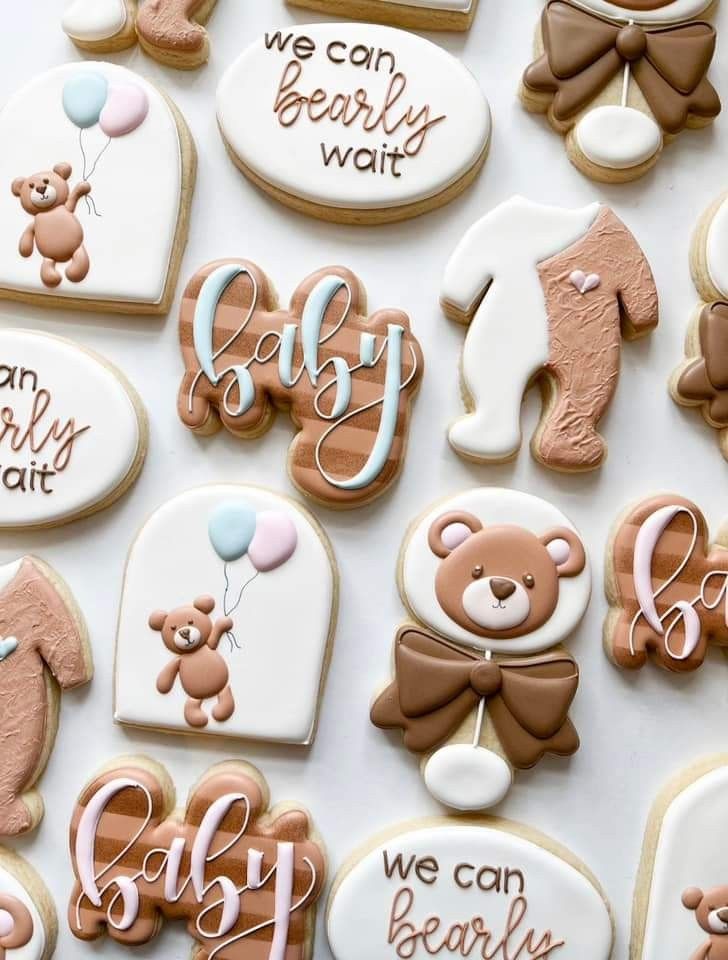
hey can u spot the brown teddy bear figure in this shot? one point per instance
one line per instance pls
(711, 912)
(55, 229)
(190, 634)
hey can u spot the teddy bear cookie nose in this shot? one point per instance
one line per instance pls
(485, 678)
(631, 42)
(502, 589)
(185, 633)
(723, 915)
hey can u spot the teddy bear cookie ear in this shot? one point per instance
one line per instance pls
(156, 619)
(450, 530)
(63, 170)
(691, 898)
(205, 604)
(17, 186)
(566, 550)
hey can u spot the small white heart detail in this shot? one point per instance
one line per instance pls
(7, 646)
(585, 282)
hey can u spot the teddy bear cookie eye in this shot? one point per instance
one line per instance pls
(477, 572)
(529, 581)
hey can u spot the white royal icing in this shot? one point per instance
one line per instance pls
(466, 777)
(669, 12)
(507, 339)
(281, 626)
(70, 431)
(691, 852)
(426, 83)
(35, 949)
(93, 20)
(491, 505)
(618, 137)
(716, 249)
(136, 187)
(484, 885)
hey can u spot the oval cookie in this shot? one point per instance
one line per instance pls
(28, 924)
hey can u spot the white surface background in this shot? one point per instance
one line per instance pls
(636, 730)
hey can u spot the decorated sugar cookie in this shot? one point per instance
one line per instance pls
(620, 78)
(702, 379)
(95, 199)
(480, 887)
(74, 431)
(681, 894)
(383, 124)
(244, 879)
(28, 924)
(495, 581)
(227, 617)
(347, 379)
(547, 294)
(171, 31)
(417, 14)
(666, 583)
(42, 639)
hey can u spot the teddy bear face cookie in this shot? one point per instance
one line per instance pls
(495, 581)
(94, 200)
(620, 78)
(414, 14)
(227, 617)
(547, 295)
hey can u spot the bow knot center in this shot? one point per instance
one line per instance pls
(485, 678)
(631, 42)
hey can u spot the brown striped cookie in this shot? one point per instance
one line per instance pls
(347, 380)
(666, 585)
(245, 880)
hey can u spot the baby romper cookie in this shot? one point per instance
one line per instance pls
(383, 125)
(620, 78)
(346, 379)
(245, 879)
(74, 431)
(702, 379)
(681, 894)
(227, 617)
(475, 887)
(414, 14)
(495, 581)
(547, 294)
(666, 584)
(171, 31)
(42, 636)
(28, 923)
(95, 195)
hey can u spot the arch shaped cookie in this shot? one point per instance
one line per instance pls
(28, 923)
(413, 14)
(94, 205)
(171, 31)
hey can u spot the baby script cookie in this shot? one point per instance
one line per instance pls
(94, 204)
(383, 125)
(547, 294)
(702, 379)
(227, 617)
(28, 923)
(245, 879)
(681, 893)
(171, 31)
(347, 380)
(620, 78)
(495, 581)
(666, 584)
(476, 887)
(42, 639)
(74, 432)
(416, 14)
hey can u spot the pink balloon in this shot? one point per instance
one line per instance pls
(125, 109)
(274, 541)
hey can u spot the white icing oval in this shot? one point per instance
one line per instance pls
(283, 625)
(671, 12)
(716, 249)
(93, 20)
(559, 897)
(465, 777)
(617, 137)
(82, 389)
(11, 886)
(136, 188)
(291, 158)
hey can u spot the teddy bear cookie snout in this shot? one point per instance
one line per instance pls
(496, 603)
(187, 638)
(718, 920)
(43, 194)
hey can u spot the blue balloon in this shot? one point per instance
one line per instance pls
(84, 96)
(231, 528)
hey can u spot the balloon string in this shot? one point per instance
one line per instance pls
(242, 591)
(230, 634)
(95, 163)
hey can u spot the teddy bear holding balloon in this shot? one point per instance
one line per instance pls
(55, 231)
(243, 539)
